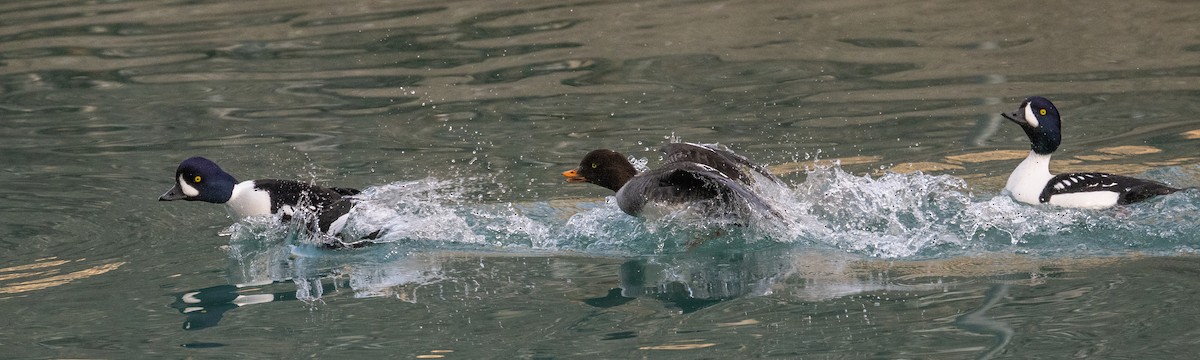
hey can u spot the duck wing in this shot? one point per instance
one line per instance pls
(725, 161)
(325, 204)
(1129, 189)
(680, 182)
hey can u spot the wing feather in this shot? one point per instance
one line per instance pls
(725, 161)
(681, 182)
(1129, 189)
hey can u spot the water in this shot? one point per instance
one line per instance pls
(456, 119)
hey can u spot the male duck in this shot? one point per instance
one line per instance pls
(1032, 182)
(327, 208)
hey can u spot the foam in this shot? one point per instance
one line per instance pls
(894, 216)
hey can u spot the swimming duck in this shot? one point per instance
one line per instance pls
(200, 179)
(692, 173)
(1032, 182)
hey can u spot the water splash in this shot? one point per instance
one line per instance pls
(909, 216)
(895, 216)
(921, 216)
(434, 212)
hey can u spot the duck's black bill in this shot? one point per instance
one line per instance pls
(175, 193)
(1014, 116)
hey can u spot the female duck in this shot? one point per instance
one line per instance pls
(693, 173)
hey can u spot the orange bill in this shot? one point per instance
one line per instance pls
(573, 176)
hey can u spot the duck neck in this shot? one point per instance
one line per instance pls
(617, 179)
(1044, 140)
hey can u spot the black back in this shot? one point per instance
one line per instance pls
(1129, 190)
(326, 205)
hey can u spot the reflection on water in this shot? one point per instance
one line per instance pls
(205, 307)
(721, 298)
(456, 116)
(978, 322)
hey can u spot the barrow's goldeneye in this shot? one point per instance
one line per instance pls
(325, 208)
(1032, 182)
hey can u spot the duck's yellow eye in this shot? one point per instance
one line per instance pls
(196, 179)
(1042, 111)
(594, 165)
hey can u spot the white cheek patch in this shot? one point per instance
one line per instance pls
(1029, 118)
(188, 189)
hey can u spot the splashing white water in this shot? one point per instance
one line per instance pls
(928, 216)
(911, 216)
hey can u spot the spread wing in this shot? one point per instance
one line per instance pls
(685, 182)
(1129, 190)
(726, 162)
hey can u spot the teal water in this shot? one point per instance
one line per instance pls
(457, 118)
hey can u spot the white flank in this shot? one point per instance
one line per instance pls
(1086, 200)
(337, 225)
(248, 201)
(1030, 177)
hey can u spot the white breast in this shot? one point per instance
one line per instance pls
(1029, 178)
(249, 201)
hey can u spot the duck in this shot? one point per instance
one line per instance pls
(1032, 183)
(326, 208)
(692, 173)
